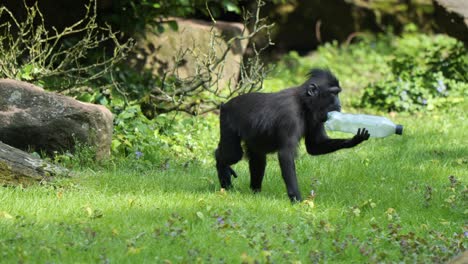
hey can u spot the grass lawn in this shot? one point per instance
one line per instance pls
(387, 200)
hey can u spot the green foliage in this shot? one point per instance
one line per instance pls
(354, 65)
(427, 72)
(130, 15)
(174, 136)
(413, 72)
(398, 13)
(83, 156)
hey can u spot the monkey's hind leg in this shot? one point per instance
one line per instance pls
(257, 163)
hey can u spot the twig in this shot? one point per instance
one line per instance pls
(209, 69)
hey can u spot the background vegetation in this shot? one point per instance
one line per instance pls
(398, 199)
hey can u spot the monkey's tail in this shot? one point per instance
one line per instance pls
(233, 173)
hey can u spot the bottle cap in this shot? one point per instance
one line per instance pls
(399, 130)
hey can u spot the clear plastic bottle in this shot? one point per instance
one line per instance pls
(376, 125)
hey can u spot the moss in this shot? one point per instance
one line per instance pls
(10, 177)
(3, 104)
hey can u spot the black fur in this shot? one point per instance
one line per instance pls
(276, 122)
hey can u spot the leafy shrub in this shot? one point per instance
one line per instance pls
(166, 137)
(129, 15)
(427, 72)
(354, 65)
(408, 73)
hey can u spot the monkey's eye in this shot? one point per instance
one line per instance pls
(335, 90)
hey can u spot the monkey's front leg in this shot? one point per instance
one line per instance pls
(288, 171)
(324, 145)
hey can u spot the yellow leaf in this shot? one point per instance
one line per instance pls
(134, 250)
(309, 203)
(5, 215)
(266, 253)
(89, 211)
(247, 259)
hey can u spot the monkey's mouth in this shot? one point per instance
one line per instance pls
(336, 108)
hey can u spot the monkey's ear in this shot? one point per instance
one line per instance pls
(312, 89)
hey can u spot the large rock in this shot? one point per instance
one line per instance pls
(33, 119)
(303, 25)
(452, 17)
(157, 52)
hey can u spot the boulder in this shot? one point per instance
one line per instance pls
(451, 16)
(158, 52)
(303, 25)
(33, 119)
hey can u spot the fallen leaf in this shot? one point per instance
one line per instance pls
(356, 211)
(5, 215)
(309, 203)
(133, 250)
(89, 211)
(200, 215)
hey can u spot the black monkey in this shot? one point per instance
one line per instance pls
(275, 122)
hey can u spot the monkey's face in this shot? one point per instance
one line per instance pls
(323, 98)
(331, 98)
(321, 94)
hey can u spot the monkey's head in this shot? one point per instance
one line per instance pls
(320, 94)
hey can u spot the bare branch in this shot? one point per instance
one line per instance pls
(209, 68)
(32, 52)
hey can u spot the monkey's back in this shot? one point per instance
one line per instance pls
(260, 117)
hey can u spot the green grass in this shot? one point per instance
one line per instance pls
(372, 204)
